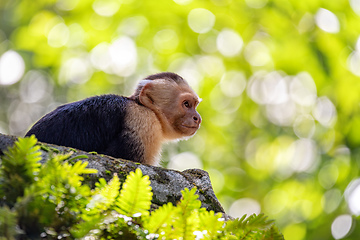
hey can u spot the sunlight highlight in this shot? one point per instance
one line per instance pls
(185, 160)
(34, 87)
(256, 3)
(229, 43)
(123, 55)
(75, 70)
(12, 68)
(201, 20)
(244, 206)
(106, 8)
(58, 35)
(166, 41)
(325, 112)
(341, 226)
(305, 155)
(257, 53)
(355, 5)
(327, 21)
(303, 89)
(352, 196)
(233, 83)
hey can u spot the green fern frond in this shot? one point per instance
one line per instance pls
(272, 234)
(7, 223)
(210, 222)
(189, 201)
(100, 185)
(102, 199)
(159, 218)
(135, 195)
(61, 180)
(19, 167)
(24, 156)
(64, 172)
(105, 194)
(58, 199)
(78, 169)
(246, 227)
(186, 219)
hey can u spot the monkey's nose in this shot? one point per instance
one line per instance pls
(197, 119)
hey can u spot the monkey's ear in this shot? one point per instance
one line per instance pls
(145, 97)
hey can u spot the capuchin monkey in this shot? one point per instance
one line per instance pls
(163, 108)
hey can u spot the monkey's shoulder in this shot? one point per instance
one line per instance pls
(108, 101)
(143, 126)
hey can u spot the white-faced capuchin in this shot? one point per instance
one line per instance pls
(163, 108)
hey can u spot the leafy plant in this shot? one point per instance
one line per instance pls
(55, 203)
(19, 167)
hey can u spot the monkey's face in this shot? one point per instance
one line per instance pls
(174, 105)
(187, 120)
(182, 119)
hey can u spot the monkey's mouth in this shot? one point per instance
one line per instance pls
(189, 130)
(191, 127)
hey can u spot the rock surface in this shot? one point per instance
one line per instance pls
(166, 184)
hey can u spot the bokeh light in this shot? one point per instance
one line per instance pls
(183, 161)
(75, 70)
(279, 83)
(256, 3)
(244, 206)
(201, 20)
(34, 87)
(352, 196)
(355, 4)
(166, 41)
(12, 68)
(341, 226)
(327, 21)
(303, 89)
(58, 35)
(257, 54)
(106, 8)
(229, 43)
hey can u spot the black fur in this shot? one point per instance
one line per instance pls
(93, 124)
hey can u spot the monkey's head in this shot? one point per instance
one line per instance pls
(173, 101)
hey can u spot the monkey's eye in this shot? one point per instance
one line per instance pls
(186, 104)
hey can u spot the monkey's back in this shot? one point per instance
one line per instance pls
(92, 124)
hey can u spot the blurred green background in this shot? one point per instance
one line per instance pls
(279, 79)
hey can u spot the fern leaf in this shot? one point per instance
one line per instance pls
(159, 218)
(80, 168)
(105, 194)
(183, 227)
(24, 156)
(210, 222)
(100, 184)
(7, 223)
(135, 195)
(186, 219)
(189, 201)
(273, 234)
(20, 165)
(245, 228)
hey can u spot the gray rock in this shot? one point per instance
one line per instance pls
(166, 184)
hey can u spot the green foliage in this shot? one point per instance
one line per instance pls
(159, 218)
(7, 223)
(279, 80)
(248, 227)
(19, 168)
(57, 204)
(135, 195)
